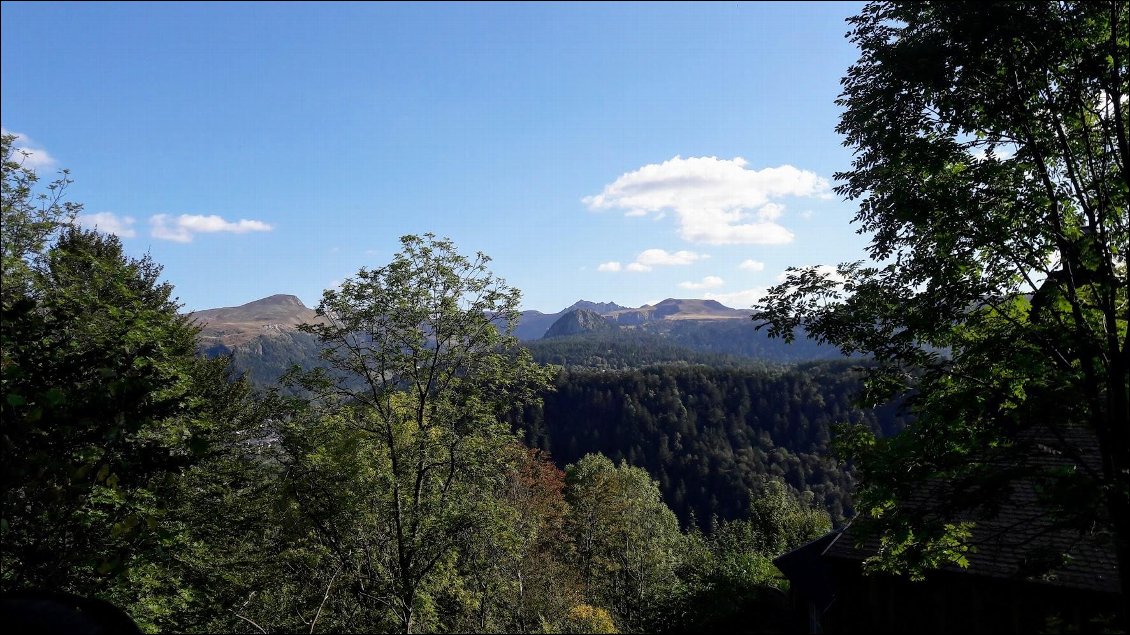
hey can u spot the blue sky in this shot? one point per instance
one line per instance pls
(623, 152)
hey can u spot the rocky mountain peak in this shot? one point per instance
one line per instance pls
(578, 321)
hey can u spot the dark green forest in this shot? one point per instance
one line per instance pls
(732, 343)
(710, 436)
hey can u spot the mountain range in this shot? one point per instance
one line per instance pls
(535, 324)
(263, 339)
(267, 317)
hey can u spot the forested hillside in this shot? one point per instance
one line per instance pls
(711, 436)
(715, 342)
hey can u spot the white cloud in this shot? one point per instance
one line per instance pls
(738, 299)
(121, 226)
(27, 152)
(182, 228)
(752, 265)
(649, 258)
(709, 282)
(771, 211)
(806, 214)
(653, 257)
(717, 201)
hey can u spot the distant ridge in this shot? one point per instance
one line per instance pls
(534, 325)
(263, 339)
(595, 307)
(232, 326)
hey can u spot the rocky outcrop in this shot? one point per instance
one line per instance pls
(576, 322)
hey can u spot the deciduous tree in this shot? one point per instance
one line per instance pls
(992, 148)
(422, 367)
(626, 538)
(30, 215)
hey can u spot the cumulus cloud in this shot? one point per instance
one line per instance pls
(649, 258)
(121, 226)
(738, 299)
(709, 282)
(717, 201)
(653, 257)
(28, 152)
(752, 265)
(183, 228)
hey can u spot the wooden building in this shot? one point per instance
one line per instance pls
(1030, 571)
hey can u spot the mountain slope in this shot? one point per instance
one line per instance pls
(263, 339)
(533, 325)
(577, 322)
(232, 326)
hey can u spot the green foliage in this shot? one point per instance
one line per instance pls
(626, 538)
(779, 522)
(727, 579)
(126, 472)
(30, 215)
(520, 570)
(218, 529)
(422, 367)
(711, 436)
(96, 370)
(119, 442)
(589, 619)
(991, 143)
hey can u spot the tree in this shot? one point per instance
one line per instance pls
(422, 368)
(991, 167)
(92, 368)
(100, 384)
(625, 537)
(728, 580)
(122, 450)
(779, 522)
(519, 570)
(30, 217)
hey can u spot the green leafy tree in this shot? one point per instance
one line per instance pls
(422, 368)
(30, 215)
(94, 371)
(779, 521)
(991, 150)
(518, 572)
(584, 618)
(124, 454)
(728, 580)
(626, 538)
(108, 414)
(227, 537)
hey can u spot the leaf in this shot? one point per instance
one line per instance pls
(55, 397)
